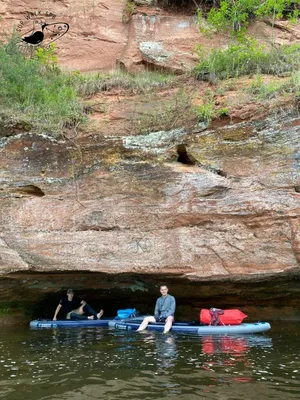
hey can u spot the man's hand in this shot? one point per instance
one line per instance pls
(57, 311)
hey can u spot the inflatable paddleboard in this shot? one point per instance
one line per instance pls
(186, 327)
(69, 323)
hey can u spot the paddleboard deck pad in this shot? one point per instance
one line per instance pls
(189, 327)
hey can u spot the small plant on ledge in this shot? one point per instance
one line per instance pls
(129, 10)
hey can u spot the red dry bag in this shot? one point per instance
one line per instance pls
(230, 317)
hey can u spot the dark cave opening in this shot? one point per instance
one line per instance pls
(221, 173)
(261, 298)
(183, 156)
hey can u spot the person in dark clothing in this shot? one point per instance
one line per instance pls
(164, 311)
(75, 308)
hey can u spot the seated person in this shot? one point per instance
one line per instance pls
(164, 311)
(75, 308)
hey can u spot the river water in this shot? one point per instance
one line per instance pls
(101, 363)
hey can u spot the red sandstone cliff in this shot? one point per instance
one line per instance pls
(101, 35)
(116, 202)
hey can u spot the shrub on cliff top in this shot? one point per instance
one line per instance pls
(234, 15)
(37, 92)
(247, 57)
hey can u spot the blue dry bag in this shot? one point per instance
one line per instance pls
(127, 313)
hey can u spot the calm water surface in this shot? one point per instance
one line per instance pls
(100, 363)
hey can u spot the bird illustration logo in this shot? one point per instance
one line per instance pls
(42, 34)
(36, 37)
(47, 34)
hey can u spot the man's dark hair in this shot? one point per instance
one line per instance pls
(70, 291)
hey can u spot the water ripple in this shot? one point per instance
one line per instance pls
(99, 362)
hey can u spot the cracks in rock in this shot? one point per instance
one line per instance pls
(215, 171)
(104, 40)
(98, 229)
(235, 247)
(219, 257)
(77, 146)
(217, 192)
(293, 240)
(18, 260)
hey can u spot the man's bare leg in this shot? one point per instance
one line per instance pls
(168, 324)
(145, 323)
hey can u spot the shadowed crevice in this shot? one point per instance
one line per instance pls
(30, 190)
(183, 156)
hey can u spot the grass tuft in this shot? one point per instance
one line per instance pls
(87, 85)
(37, 95)
(33, 91)
(246, 58)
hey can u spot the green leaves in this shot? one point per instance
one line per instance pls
(247, 57)
(273, 8)
(36, 90)
(234, 15)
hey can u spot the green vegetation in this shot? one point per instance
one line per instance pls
(295, 85)
(32, 90)
(90, 84)
(168, 113)
(223, 112)
(36, 95)
(206, 111)
(261, 90)
(129, 10)
(234, 15)
(247, 57)
(47, 56)
(244, 55)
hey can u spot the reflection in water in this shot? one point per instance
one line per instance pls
(75, 336)
(238, 345)
(166, 349)
(225, 344)
(233, 351)
(99, 363)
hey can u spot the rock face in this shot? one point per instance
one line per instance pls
(126, 205)
(80, 208)
(194, 205)
(109, 33)
(96, 36)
